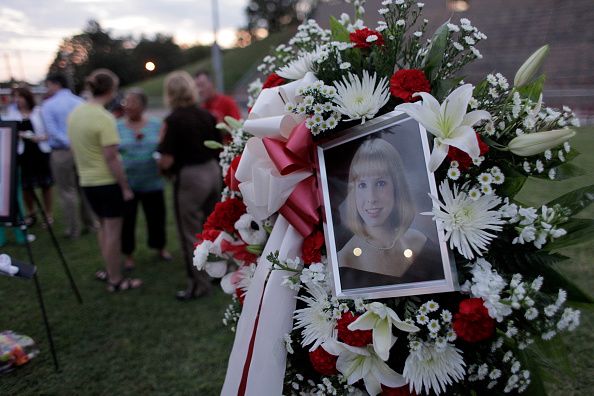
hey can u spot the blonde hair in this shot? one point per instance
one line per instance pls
(377, 157)
(180, 90)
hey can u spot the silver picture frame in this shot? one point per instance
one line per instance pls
(332, 154)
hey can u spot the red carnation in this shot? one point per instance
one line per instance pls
(464, 160)
(357, 338)
(359, 38)
(405, 82)
(402, 391)
(311, 250)
(208, 235)
(472, 323)
(323, 362)
(238, 251)
(225, 215)
(273, 80)
(230, 180)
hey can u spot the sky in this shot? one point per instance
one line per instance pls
(31, 31)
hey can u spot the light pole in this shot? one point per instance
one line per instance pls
(217, 62)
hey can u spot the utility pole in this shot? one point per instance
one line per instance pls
(7, 60)
(217, 62)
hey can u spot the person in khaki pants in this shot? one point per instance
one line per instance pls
(55, 111)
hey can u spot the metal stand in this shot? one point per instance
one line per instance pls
(58, 248)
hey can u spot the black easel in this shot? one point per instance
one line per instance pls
(57, 246)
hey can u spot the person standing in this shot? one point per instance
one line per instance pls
(55, 111)
(217, 104)
(196, 173)
(139, 136)
(93, 133)
(33, 152)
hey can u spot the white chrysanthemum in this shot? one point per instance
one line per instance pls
(250, 230)
(431, 369)
(488, 285)
(316, 319)
(298, 68)
(466, 220)
(360, 98)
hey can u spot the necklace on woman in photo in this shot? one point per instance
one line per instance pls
(383, 248)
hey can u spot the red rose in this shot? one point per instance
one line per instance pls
(273, 80)
(230, 180)
(311, 250)
(402, 391)
(359, 38)
(404, 83)
(357, 338)
(224, 215)
(323, 362)
(472, 323)
(464, 160)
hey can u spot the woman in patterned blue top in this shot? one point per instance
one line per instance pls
(139, 136)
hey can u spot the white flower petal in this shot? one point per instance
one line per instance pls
(475, 116)
(465, 139)
(382, 338)
(439, 153)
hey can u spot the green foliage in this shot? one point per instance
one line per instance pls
(533, 90)
(578, 231)
(273, 15)
(339, 32)
(576, 200)
(514, 181)
(435, 54)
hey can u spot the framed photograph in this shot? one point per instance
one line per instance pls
(375, 186)
(8, 171)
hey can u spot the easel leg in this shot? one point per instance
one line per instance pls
(48, 329)
(58, 248)
(46, 322)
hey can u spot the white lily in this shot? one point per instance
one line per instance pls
(538, 142)
(448, 122)
(362, 363)
(529, 68)
(380, 318)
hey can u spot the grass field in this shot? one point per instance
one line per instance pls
(145, 342)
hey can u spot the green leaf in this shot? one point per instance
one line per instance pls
(537, 387)
(576, 200)
(339, 32)
(436, 52)
(563, 172)
(514, 181)
(574, 293)
(443, 87)
(233, 123)
(533, 90)
(255, 249)
(213, 144)
(578, 231)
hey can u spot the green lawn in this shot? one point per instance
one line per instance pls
(145, 342)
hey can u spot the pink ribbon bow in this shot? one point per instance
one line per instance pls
(296, 154)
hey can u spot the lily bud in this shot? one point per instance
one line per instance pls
(529, 68)
(538, 142)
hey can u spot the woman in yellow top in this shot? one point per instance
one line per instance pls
(94, 141)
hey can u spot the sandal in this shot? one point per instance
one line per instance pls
(123, 285)
(101, 275)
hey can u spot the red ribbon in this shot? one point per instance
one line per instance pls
(296, 154)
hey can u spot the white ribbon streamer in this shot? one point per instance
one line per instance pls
(268, 362)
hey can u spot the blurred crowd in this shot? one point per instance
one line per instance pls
(106, 157)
